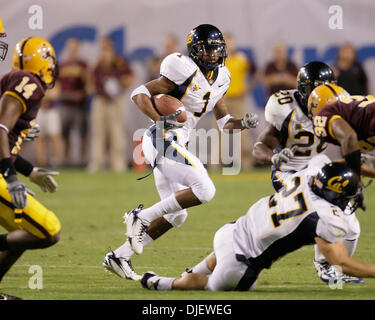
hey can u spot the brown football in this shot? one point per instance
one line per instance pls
(165, 105)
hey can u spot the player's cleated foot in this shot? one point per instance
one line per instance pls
(120, 267)
(4, 296)
(326, 272)
(150, 280)
(135, 228)
(350, 279)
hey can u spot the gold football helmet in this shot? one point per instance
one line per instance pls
(3, 45)
(324, 95)
(36, 55)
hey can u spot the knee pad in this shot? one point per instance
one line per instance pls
(177, 218)
(204, 191)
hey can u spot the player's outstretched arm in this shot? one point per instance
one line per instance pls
(226, 122)
(141, 96)
(268, 140)
(337, 255)
(42, 177)
(348, 141)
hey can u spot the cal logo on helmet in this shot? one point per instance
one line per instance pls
(190, 36)
(336, 185)
(3, 45)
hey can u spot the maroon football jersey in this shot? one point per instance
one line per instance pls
(29, 91)
(359, 114)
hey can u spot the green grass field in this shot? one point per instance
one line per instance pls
(91, 206)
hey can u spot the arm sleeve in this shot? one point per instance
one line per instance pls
(332, 228)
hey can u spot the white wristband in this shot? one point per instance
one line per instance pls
(222, 121)
(4, 128)
(139, 90)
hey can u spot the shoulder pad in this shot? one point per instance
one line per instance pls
(276, 111)
(177, 68)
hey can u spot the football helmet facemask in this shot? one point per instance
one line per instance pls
(37, 56)
(206, 41)
(310, 76)
(324, 95)
(337, 184)
(3, 45)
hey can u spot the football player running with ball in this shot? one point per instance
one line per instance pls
(30, 225)
(200, 81)
(288, 143)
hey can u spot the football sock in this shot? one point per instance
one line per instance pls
(319, 257)
(201, 268)
(351, 245)
(126, 251)
(165, 283)
(167, 205)
(3, 242)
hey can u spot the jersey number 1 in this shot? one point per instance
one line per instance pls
(206, 98)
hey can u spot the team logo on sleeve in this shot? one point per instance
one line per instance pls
(336, 185)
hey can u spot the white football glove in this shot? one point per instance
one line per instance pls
(33, 133)
(43, 178)
(283, 156)
(250, 120)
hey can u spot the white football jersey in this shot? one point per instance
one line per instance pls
(198, 94)
(289, 219)
(284, 113)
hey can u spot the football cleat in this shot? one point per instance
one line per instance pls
(329, 274)
(120, 267)
(150, 280)
(326, 272)
(350, 279)
(4, 296)
(135, 228)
